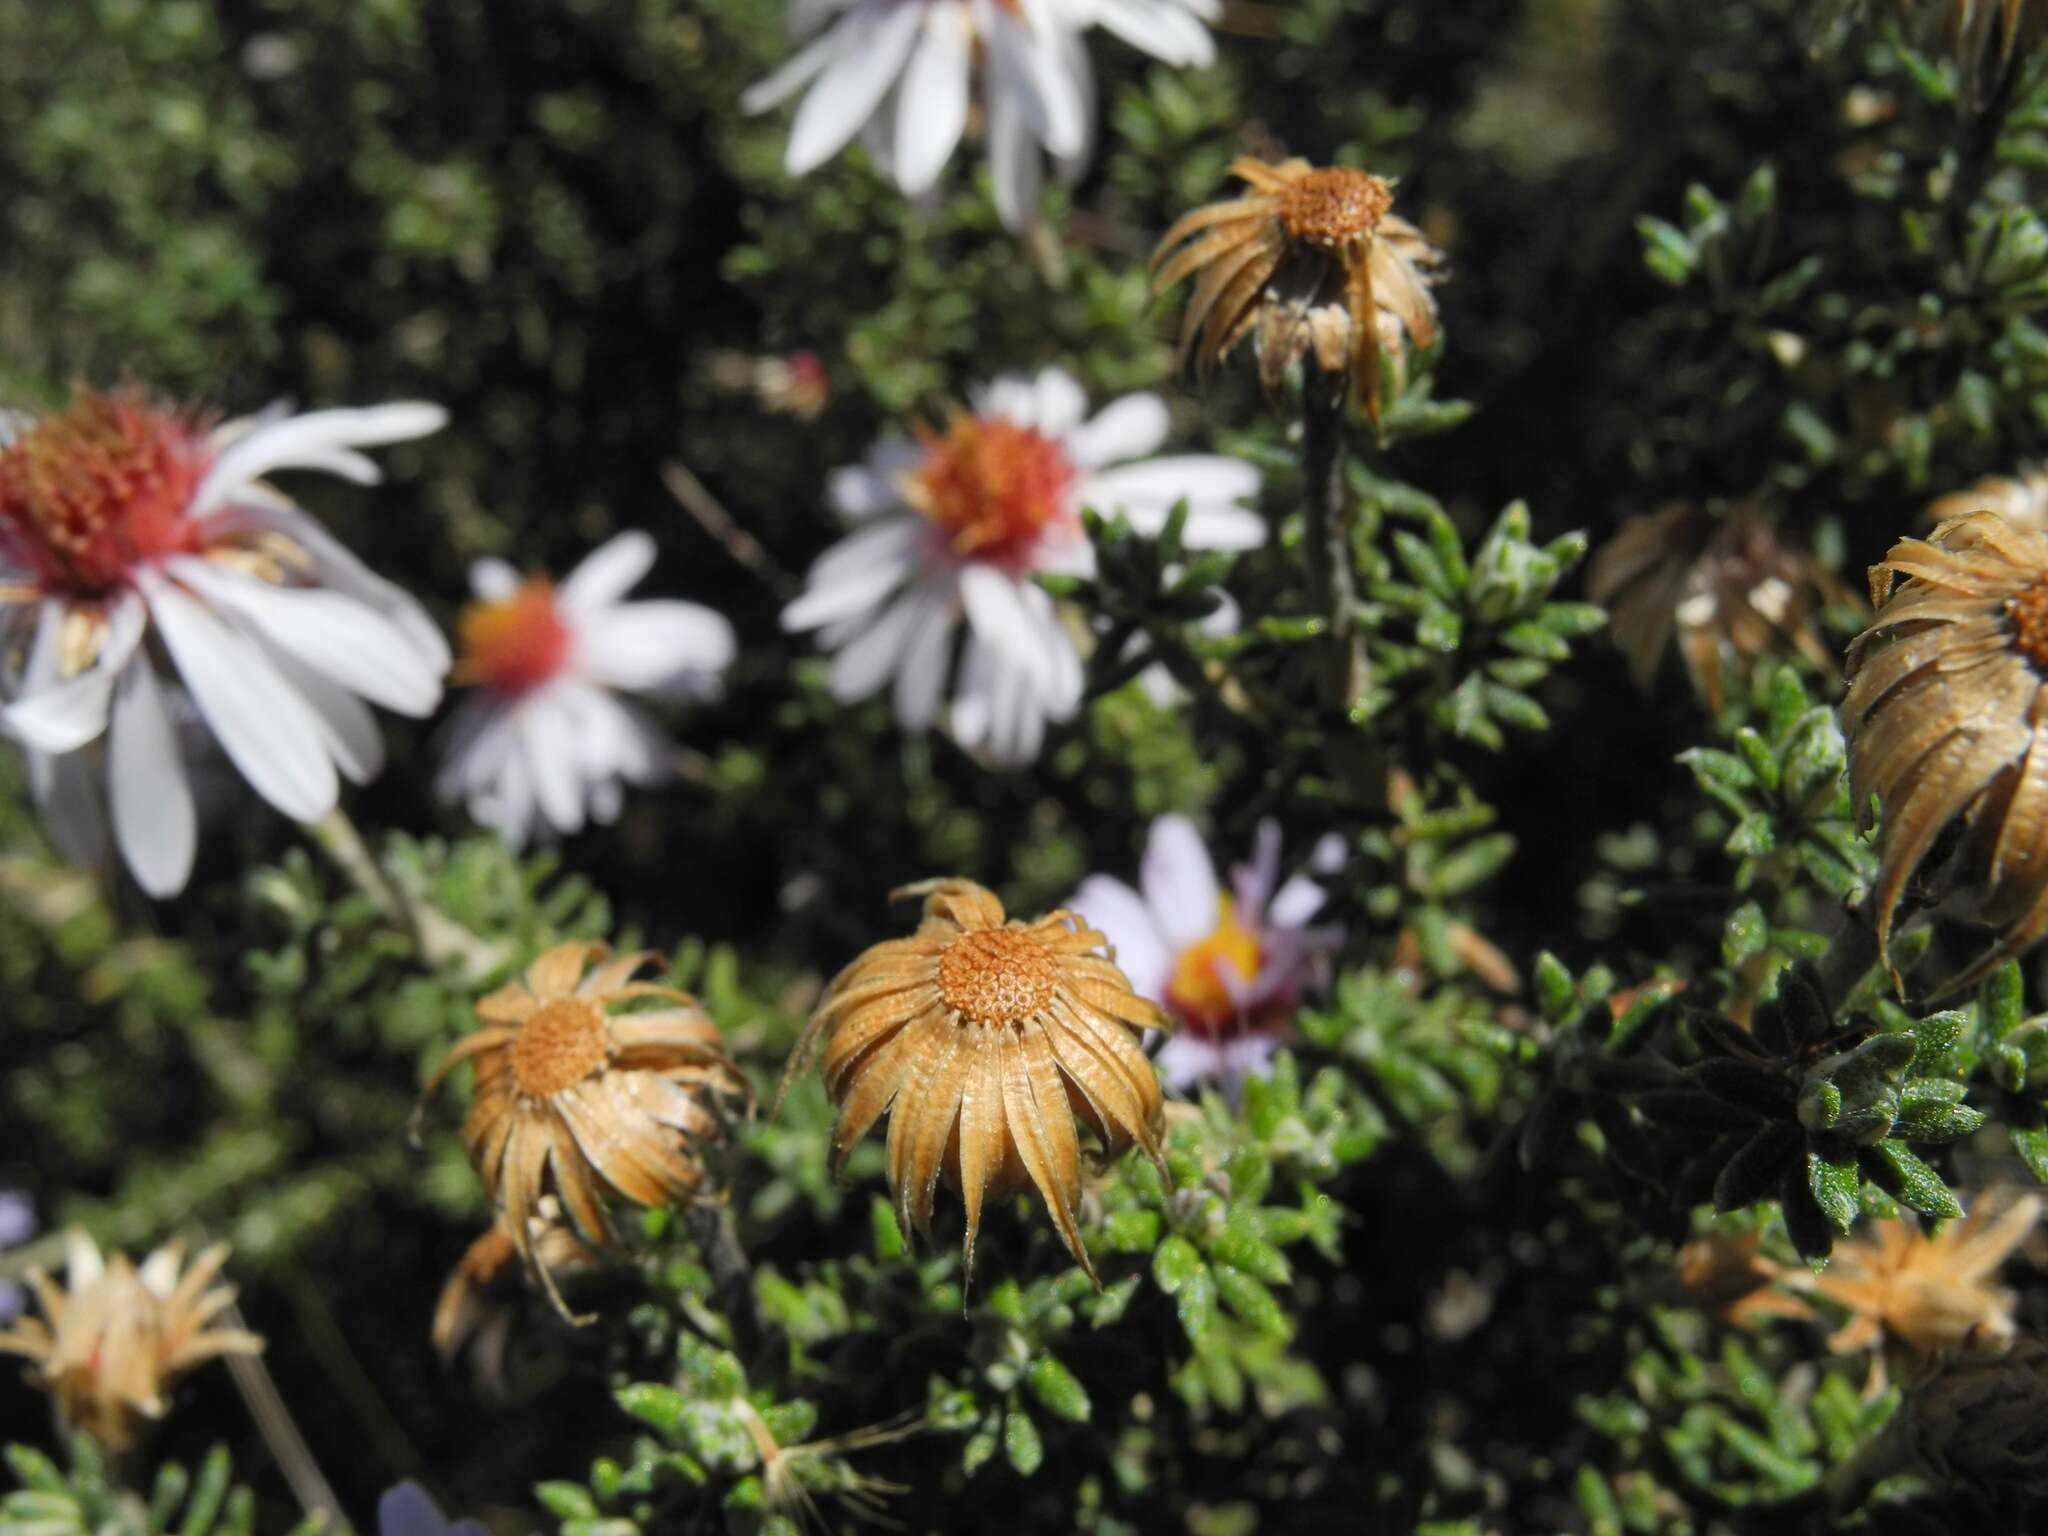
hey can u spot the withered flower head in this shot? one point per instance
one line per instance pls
(1931, 1294)
(2021, 499)
(1310, 262)
(109, 1345)
(1978, 1429)
(1947, 718)
(480, 1302)
(577, 1100)
(1727, 586)
(982, 1040)
(1730, 1278)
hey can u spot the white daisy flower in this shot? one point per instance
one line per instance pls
(1229, 966)
(902, 69)
(137, 547)
(956, 524)
(543, 742)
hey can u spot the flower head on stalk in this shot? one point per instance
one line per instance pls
(543, 741)
(140, 547)
(1228, 965)
(956, 522)
(1314, 265)
(905, 70)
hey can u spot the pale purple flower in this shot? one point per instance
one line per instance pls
(406, 1510)
(954, 528)
(905, 71)
(1230, 965)
(17, 1226)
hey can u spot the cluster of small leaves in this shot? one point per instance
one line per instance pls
(2006, 1053)
(1422, 870)
(1692, 1425)
(83, 1500)
(1467, 635)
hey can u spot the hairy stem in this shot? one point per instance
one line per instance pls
(1331, 567)
(437, 938)
(732, 1275)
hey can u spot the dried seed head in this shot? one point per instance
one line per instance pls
(2027, 616)
(1335, 206)
(998, 976)
(563, 1043)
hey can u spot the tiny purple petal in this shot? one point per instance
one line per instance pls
(17, 1218)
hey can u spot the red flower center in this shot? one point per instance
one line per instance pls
(516, 643)
(88, 495)
(993, 488)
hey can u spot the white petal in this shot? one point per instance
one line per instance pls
(872, 657)
(1123, 429)
(1013, 154)
(267, 730)
(1296, 902)
(307, 441)
(644, 645)
(492, 580)
(1061, 402)
(996, 610)
(931, 110)
(1166, 31)
(547, 748)
(147, 791)
(857, 572)
(1186, 1061)
(1180, 881)
(791, 77)
(62, 716)
(921, 680)
(347, 727)
(337, 636)
(67, 797)
(1200, 478)
(1124, 919)
(1221, 528)
(873, 44)
(1030, 59)
(608, 572)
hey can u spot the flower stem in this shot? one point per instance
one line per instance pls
(732, 1276)
(437, 938)
(1331, 566)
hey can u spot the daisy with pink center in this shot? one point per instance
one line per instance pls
(905, 70)
(543, 743)
(1231, 965)
(142, 553)
(953, 526)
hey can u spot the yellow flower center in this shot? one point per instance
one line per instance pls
(993, 488)
(1197, 992)
(563, 1043)
(1334, 207)
(2027, 614)
(87, 495)
(997, 975)
(516, 643)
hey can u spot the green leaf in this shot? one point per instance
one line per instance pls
(2031, 1142)
(1177, 1264)
(208, 1493)
(2003, 1000)
(1553, 987)
(660, 1408)
(1834, 1183)
(566, 1501)
(1021, 1442)
(1251, 1301)
(1893, 1168)
(1058, 1389)
(1131, 1231)
(1747, 1176)
(887, 1235)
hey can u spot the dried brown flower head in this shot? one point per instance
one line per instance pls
(1947, 718)
(109, 1345)
(1731, 1278)
(579, 1101)
(1727, 586)
(2021, 499)
(1929, 1294)
(1310, 262)
(481, 1300)
(982, 1040)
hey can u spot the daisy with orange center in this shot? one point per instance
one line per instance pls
(544, 742)
(582, 1097)
(1312, 264)
(983, 1040)
(133, 535)
(1947, 719)
(1230, 966)
(955, 524)
(108, 1346)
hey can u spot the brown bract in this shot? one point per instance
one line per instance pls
(2021, 499)
(983, 1040)
(1731, 1278)
(1929, 1294)
(1727, 586)
(1947, 719)
(576, 1100)
(480, 1302)
(1310, 261)
(108, 1346)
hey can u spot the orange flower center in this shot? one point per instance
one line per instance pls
(87, 495)
(1334, 207)
(563, 1043)
(2027, 614)
(1198, 992)
(997, 975)
(993, 488)
(516, 643)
